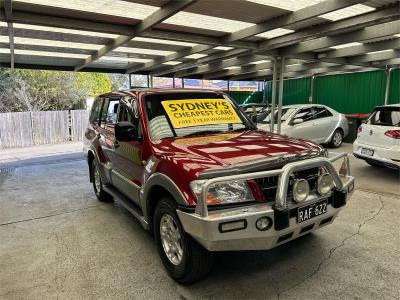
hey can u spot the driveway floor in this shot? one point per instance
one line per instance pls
(58, 241)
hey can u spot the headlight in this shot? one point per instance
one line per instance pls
(224, 193)
(325, 184)
(301, 190)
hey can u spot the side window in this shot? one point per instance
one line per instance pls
(305, 114)
(125, 115)
(96, 109)
(109, 112)
(321, 112)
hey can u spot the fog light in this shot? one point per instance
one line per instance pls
(264, 223)
(232, 226)
(325, 184)
(301, 190)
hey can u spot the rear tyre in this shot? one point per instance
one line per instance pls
(101, 194)
(185, 260)
(337, 139)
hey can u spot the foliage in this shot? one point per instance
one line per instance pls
(32, 90)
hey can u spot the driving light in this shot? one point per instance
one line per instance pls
(235, 191)
(301, 190)
(263, 223)
(325, 184)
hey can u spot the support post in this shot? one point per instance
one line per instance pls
(310, 99)
(387, 89)
(130, 80)
(280, 100)
(183, 83)
(272, 119)
(228, 86)
(173, 82)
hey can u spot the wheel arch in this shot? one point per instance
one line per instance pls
(158, 186)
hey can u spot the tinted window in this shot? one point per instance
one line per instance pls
(109, 112)
(385, 116)
(305, 114)
(96, 109)
(321, 112)
(125, 115)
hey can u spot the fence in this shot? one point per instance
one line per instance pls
(20, 129)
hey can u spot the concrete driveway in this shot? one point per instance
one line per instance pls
(57, 241)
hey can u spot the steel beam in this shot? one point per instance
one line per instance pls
(361, 49)
(381, 15)
(378, 56)
(10, 29)
(291, 18)
(360, 35)
(35, 18)
(155, 18)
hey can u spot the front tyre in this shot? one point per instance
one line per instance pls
(185, 260)
(337, 139)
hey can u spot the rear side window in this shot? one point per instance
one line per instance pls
(96, 109)
(305, 114)
(385, 116)
(321, 112)
(109, 112)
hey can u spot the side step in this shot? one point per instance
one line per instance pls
(128, 204)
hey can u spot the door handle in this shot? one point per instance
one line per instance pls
(116, 145)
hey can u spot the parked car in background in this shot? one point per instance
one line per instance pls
(194, 170)
(378, 139)
(256, 111)
(318, 123)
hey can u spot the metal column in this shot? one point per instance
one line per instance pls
(173, 82)
(311, 98)
(272, 119)
(388, 71)
(282, 71)
(130, 80)
(227, 85)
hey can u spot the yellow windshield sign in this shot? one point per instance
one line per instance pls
(197, 112)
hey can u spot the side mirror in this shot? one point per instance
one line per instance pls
(297, 121)
(125, 132)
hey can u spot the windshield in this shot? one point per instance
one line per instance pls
(286, 113)
(185, 114)
(385, 116)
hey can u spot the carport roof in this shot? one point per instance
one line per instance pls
(223, 39)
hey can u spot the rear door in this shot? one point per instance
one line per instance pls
(306, 129)
(106, 129)
(382, 120)
(324, 123)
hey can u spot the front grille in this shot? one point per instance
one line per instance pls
(269, 185)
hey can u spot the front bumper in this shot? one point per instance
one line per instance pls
(205, 226)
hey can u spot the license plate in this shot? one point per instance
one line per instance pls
(310, 211)
(366, 151)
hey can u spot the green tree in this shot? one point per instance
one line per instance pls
(33, 90)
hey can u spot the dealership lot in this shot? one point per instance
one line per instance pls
(59, 241)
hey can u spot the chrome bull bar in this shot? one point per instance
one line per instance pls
(283, 181)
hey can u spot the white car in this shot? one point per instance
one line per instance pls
(314, 122)
(378, 140)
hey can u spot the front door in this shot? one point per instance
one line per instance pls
(306, 129)
(127, 166)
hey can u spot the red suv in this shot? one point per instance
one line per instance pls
(195, 170)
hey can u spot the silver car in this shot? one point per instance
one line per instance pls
(317, 123)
